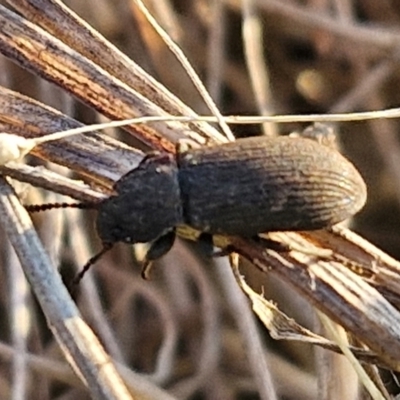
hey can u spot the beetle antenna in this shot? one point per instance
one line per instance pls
(78, 277)
(51, 206)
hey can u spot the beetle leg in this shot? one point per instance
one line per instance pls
(206, 244)
(264, 242)
(158, 248)
(271, 244)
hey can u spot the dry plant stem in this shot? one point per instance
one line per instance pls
(81, 253)
(56, 18)
(93, 308)
(166, 356)
(53, 60)
(52, 229)
(177, 284)
(194, 77)
(370, 262)
(20, 323)
(211, 354)
(182, 265)
(42, 120)
(337, 379)
(246, 323)
(384, 133)
(159, 56)
(128, 290)
(54, 95)
(216, 50)
(367, 85)
(4, 78)
(252, 34)
(166, 15)
(343, 8)
(301, 386)
(281, 327)
(182, 262)
(340, 337)
(52, 181)
(63, 373)
(96, 155)
(373, 373)
(44, 366)
(74, 336)
(339, 293)
(385, 136)
(306, 17)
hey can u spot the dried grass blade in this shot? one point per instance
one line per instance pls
(339, 293)
(64, 24)
(52, 181)
(76, 339)
(48, 57)
(95, 155)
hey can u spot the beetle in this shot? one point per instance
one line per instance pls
(242, 188)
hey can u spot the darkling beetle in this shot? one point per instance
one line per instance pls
(243, 188)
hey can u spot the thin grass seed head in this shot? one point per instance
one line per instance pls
(15, 148)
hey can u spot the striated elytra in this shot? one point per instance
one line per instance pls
(243, 188)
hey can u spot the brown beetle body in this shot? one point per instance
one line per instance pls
(242, 188)
(264, 184)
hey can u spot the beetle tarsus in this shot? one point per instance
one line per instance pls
(78, 277)
(146, 269)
